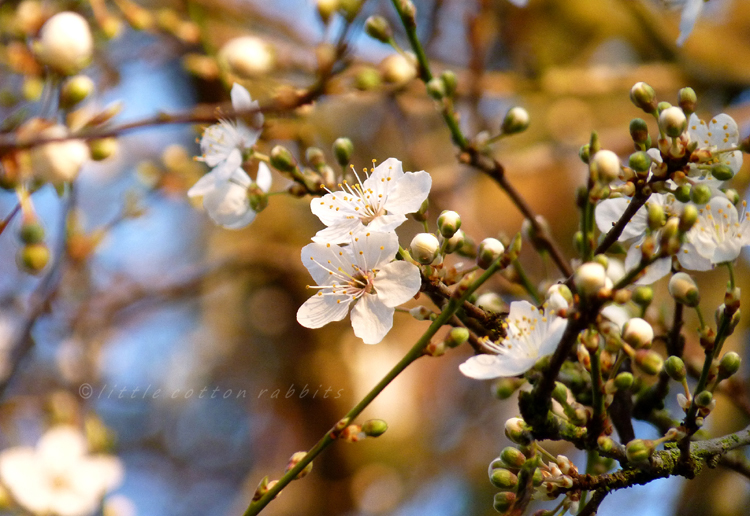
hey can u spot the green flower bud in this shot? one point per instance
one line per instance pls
(729, 365)
(504, 388)
(326, 8)
(294, 460)
(687, 100)
(656, 217)
(503, 479)
(517, 431)
(537, 478)
(732, 195)
(639, 161)
(343, 148)
(503, 501)
(448, 223)
(643, 295)
(455, 242)
(639, 131)
(649, 361)
(489, 250)
(281, 159)
(424, 248)
(624, 381)
(639, 450)
(661, 106)
(703, 399)
(315, 157)
(605, 166)
(673, 121)
(350, 8)
(682, 193)
(512, 457)
(516, 121)
(722, 172)
(675, 368)
(589, 278)
(421, 214)
(436, 88)
(602, 259)
(378, 28)
(560, 393)
(75, 89)
(374, 427)
(367, 79)
(700, 194)
(644, 97)
(450, 81)
(585, 153)
(456, 337)
(102, 148)
(33, 258)
(31, 232)
(684, 290)
(607, 444)
(688, 218)
(257, 198)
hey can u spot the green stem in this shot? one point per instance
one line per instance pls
(701, 320)
(597, 400)
(414, 353)
(731, 274)
(526, 282)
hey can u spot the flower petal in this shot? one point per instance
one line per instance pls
(371, 319)
(263, 179)
(339, 233)
(323, 260)
(690, 14)
(409, 194)
(386, 223)
(691, 259)
(397, 282)
(226, 169)
(372, 250)
(321, 309)
(609, 211)
(486, 367)
(656, 271)
(204, 185)
(240, 98)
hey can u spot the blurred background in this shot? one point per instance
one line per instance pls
(152, 295)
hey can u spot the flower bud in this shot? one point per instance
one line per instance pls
(450, 81)
(33, 258)
(729, 365)
(560, 393)
(436, 88)
(722, 172)
(343, 148)
(448, 223)
(607, 444)
(682, 193)
(700, 194)
(649, 361)
(661, 106)
(703, 399)
(656, 217)
(489, 250)
(643, 96)
(257, 198)
(517, 431)
(590, 278)
(367, 79)
(378, 28)
(294, 460)
(75, 89)
(421, 313)
(374, 427)
(326, 8)
(687, 99)
(684, 290)
(639, 161)
(503, 500)
(424, 248)
(65, 43)
(585, 153)
(102, 148)
(732, 195)
(639, 131)
(315, 157)
(503, 479)
(672, 121)
(398, 69)
(504, 388)
(516, 121)
(638, 333)
(281, 159)
(558, 297)
(32, 232)
(455, 242)
(512, 457)
(456, 337)
(688, 218)
(58, 162)
(605, 166)
(643, 295)
(247, 57)
(639, 450)
(675, 368)
(624, 381)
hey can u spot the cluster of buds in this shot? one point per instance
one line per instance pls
(453, 339)
(639, 451)
(354, 433)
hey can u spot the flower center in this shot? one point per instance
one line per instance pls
(362, 281)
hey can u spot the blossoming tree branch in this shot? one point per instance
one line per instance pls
(580, 351)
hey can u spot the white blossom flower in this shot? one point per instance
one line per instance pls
(229, 137)
(531, 334)
(225, 194)
(717, 236)
(379, 203)
(609, 211)
(65, 43)
(715, 140)
(363, 273)
(58, 477)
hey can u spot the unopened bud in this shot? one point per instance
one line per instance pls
(489, 250)
(639, 161)
(605, 166)
(491, 302)
(558, 297)
(33, 258)
(644, 97)
(684, 290)
(367, 79)
(65, 43)
(649, 361)
(450, 81)
(639, 131)
(294, 460)
(722, 172)
(688, 218)
(374, 427)
(102, 148)
(378, 28)
(281, 159)
(517, 431)
(512, 457)
(700, 194)
(424, 248)
(643, 295)
(682, 193)
(656, 218)
(607, 444)
(31, 232)
(703, 399)
(585, 153)
(590, 278)
(455, 242)
(503, 479)
(503, 500)
(421, 313)
(448, 223)
(624, 381)
(675, 368)
(436, 88)
(504, 388)
(672, 121)
(639, 450)
(687, 100)
(75, 89)
(729, 365)
(456, 337)
(638, 333)
(398, 69)
(257, 198)
(732, 195)
(315, 157)
(516, 121)
(326, 8)
(343, 148)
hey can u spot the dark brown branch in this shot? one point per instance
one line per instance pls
(638, 200)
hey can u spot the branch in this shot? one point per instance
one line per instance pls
(638, 200)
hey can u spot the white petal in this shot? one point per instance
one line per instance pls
(390, 168)
(724, 131)
(727, 251)
(698, 131)
(519, 3)
(410, 192)
(397, 282)
(263, 179)
(227, 169)
(100, 473)
(320, 309)
(237, 222)
(228, 205)
(690, 14)
(616, 314)
(372, 250)
(371, 319)
(322, 260)
(609, 211)
(62, 446)
(655, 155)
(386, 223)
(339, 233)
(656, 271)
(204, 185)
(553, 336)
(691, 259)
(334, 208)
(485, 367)
(240, 98)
